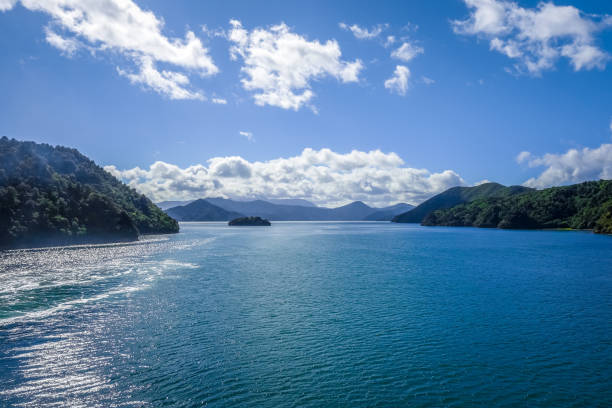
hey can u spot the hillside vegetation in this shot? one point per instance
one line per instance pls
(458, 195)
(55, 195)
(580, 206)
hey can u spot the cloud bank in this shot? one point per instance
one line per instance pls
(121, 27)
(322, 176)
(537, 37)
(279, 65)
(573, 166)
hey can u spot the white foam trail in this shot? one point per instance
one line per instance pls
(150, 274)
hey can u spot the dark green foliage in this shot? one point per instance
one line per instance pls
(579, 206)
(249, 221)
(458, 195)
(55, 195)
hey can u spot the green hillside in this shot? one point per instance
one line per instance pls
(455, 196)
(580, 206)
(55, 195)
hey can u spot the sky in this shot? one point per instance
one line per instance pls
(383, 102)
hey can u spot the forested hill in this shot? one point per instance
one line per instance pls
(458, 195)
(580, 206)
(55, 195)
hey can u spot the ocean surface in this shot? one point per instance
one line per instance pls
(308, 314)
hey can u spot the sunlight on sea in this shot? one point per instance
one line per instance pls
(311, 314)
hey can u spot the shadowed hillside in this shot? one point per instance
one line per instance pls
(458, 195)
(579, 206)
(55, 195)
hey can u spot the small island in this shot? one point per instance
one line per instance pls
(249, 221)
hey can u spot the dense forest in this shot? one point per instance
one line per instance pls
(455, 196)
(55, 195)
(580, 206)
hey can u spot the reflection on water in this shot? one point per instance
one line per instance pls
(311, 314)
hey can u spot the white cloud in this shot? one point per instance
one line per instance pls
(427, 81)
(248, 135)
(389, 41)
(123, 28)
(407, 51)
(68, 46)
(523, 157)
(279, 65)
(537, 37)
(7, 4)
(363, 33)
(574, 166)
(167, 83)
(322, 176)
(399, 82)
(481, 182)
(219, 101)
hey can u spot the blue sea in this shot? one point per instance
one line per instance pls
(306, 314)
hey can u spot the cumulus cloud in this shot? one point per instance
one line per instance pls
(123, 28)
(573, 166)
(537, 37)
(363, 33)
(399, 82)
(407, 51)
(280, 65)
(219, 101)
(248, 135)
(322, 176)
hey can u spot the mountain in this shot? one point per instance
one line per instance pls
(356, 211)
(291, 201)
(273, 212)
(387, 213)
(458, 195)
(55, 195)
(201, 210)
(580, 206)
(248, 208)
(164, 205)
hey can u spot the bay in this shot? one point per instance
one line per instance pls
(311, 314)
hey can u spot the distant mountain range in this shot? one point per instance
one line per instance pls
(455, 196)
(222, 209)
(164, 205)
(201, 209)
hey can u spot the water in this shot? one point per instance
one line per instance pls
(311, 315)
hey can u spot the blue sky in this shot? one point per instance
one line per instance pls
(478, 90)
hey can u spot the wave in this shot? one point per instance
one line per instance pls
(147, 275)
